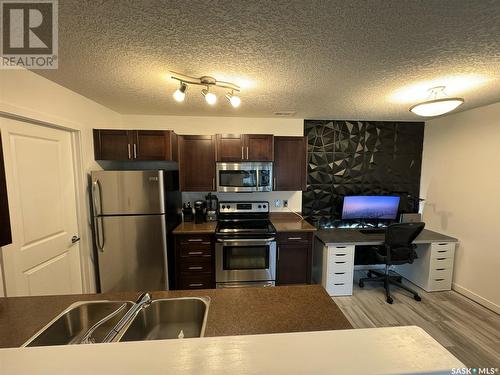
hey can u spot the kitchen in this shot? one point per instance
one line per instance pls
(200, 188)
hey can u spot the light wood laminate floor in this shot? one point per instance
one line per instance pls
(468, 330)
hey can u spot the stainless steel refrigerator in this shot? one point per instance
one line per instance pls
(134, 211)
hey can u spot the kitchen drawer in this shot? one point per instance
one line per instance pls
(196, 265)
(294, 237)
(195, 251)
(439, 263)
(439, 283)
(443, 250)
(195, 240)
(195, 281)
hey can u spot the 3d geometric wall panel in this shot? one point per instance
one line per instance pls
(360, 157)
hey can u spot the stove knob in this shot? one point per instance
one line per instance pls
(260, 206)
(223, 206)
(228, 207)
(264, 206)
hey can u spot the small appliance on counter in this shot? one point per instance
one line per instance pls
(200, 211)
(187, 212)
(212, 207)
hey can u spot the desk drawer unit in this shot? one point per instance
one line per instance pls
(433, 269)
(338, 273)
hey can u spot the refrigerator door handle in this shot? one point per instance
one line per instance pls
(96, 192)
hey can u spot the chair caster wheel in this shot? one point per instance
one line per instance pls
(417, 298)
(361, 284)
(389, 300)
(369, 274)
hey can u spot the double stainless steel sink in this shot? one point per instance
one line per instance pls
(170, 318)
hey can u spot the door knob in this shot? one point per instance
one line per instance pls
(75, 239)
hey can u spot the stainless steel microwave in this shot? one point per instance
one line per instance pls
(244, 177)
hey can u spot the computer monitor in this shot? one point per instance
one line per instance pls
(370, 207)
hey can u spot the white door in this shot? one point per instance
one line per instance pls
(41, 190)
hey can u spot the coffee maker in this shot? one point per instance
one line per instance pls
(199, 212)
(212, 207)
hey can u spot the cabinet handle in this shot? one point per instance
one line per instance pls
(195, 252)
(247, 152)
(278, 254)
(213, 183)
(128, 149)
(440, 269)
(294, 238)
(195, 240)
(438, 279)
(442, 251)
(135, 151)
(242, 155)
(274, 183)
(195, 268)
(196, 284)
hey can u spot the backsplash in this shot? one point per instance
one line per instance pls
(294, 198)
(360, 157)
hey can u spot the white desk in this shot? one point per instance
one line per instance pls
(333, 260)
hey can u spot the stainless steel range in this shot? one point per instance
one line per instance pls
(245, 251)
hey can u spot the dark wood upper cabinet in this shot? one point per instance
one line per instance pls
(155, 145)
(112, 144)
(5, 234)
(245, 147)
(135, 144)
(259, 147)
(197, 162)
(290, 163)
(230, 147)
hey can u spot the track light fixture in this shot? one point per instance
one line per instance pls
(180, 93)
(438, 103)
(208, 82)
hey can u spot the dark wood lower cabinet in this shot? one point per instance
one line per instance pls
(294, 258)
(5, 234)
(194, 261)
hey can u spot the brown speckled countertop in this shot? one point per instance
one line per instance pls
(242, 311)
(190, 227)
(289, 222)
(283, 222)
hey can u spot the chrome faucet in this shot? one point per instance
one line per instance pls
(143, 301)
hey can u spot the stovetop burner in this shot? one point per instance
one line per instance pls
(247, 218)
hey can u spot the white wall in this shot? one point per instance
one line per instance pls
(461, 185)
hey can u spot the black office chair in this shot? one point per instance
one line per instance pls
(397, 249)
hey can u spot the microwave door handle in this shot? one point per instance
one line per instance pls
(257, 178)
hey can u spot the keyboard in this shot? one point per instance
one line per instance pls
(373, 231)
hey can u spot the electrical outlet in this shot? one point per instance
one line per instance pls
(285, 202)
(277, 203)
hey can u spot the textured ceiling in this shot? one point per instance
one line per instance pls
(321, 59)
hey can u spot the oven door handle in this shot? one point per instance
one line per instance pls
(246, 240)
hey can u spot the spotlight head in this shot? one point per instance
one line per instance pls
(180, 93)
(210, 97)
(233, 99)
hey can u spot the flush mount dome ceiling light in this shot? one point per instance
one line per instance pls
(438, 103)
(208, 82)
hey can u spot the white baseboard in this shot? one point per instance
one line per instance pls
(473, 296)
